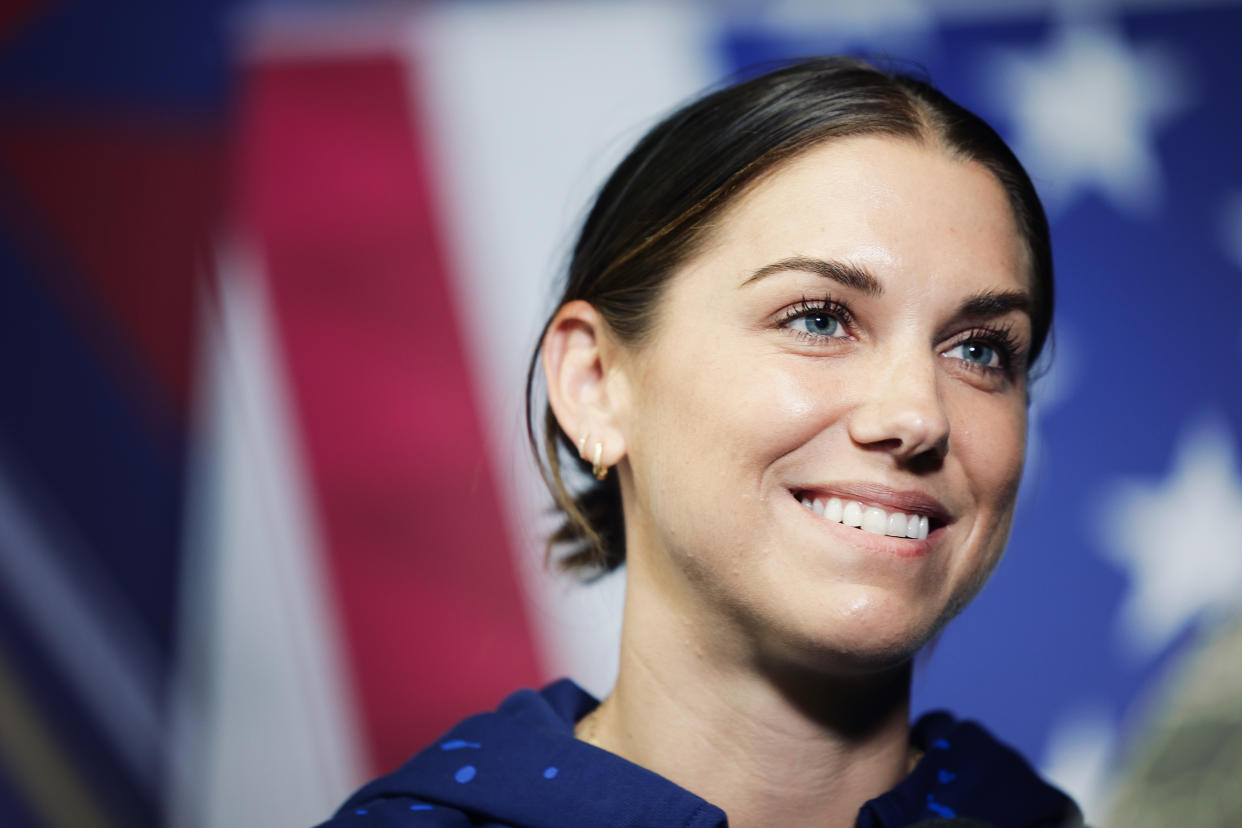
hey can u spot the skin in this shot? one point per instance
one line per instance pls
(765, 650)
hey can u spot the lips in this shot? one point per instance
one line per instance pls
(877, 510)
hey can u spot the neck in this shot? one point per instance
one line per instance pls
(770, 744)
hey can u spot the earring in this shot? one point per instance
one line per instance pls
(600, 471)
(582, 444)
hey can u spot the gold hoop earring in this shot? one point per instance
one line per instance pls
(582, 444)
(600, 471)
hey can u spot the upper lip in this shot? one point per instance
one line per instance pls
(906, 501)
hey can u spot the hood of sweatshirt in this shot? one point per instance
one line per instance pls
(522, 766)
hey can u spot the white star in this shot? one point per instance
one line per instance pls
(1177, 539)
(1078, 758)
(1085, 112)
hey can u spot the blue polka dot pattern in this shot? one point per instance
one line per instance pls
(508, 754)
(458, 744)
(943, 777)
(938, 809)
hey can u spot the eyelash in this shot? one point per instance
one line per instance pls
(815, 307)
(1000, 338)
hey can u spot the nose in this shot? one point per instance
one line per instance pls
(902, 412)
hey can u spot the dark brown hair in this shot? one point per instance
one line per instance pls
(654, 211)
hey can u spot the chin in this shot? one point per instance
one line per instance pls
(868, 635)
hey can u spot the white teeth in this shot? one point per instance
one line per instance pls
(875, 521)
(851, 515)
(897, 523)
(869, 518)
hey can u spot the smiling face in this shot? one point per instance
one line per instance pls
(853, 329)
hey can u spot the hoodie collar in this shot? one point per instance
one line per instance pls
(521, 765)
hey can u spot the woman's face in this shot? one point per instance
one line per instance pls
(855, 328)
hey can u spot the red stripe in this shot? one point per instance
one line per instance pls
(335, 184)
(119, 215)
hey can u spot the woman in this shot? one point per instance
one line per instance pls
(793, 352)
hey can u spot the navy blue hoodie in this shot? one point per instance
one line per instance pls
(522, 766)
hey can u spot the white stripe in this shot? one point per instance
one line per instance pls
(530, 106)
(85, 625)
(266, 732)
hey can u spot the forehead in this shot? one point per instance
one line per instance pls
(900, 208)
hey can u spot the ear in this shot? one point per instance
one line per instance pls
(578, 353)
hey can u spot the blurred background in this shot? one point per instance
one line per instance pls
(270, 274)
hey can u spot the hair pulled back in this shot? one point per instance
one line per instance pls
(655, 211)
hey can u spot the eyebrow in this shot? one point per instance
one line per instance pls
(983, 305)
(847, 274)
(989, 303)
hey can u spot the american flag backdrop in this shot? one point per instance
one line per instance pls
(270, 274)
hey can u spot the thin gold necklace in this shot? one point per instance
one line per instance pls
(587, 728)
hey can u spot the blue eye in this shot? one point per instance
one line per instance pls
(816, 323)
(977, 353)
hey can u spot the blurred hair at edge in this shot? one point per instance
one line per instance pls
(655, 213)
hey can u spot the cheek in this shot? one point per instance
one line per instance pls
(729, 400)
(766, 415)
(991, 450)
(711, 428)
(989, 437)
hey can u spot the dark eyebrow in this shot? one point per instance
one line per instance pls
(847, 274)
(989, 303)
